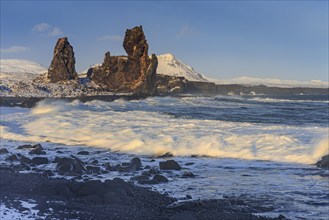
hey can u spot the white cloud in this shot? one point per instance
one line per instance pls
(41, 27)
(14, 49)
(47, 29)
(185, 31)
(55, 32)
(110, 37)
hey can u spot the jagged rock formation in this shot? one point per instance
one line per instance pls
(62, 67)
(134, 73)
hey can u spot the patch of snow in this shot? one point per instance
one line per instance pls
(168, 64)
(12, 213)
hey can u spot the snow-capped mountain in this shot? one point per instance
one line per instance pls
(21, 66)
(244, 80)
(168, 64)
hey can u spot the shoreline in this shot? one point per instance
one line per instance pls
(68, 192)
(65, 199)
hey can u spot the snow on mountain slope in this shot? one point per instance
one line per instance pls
(170, 65)
(244, 80)
(21, 66)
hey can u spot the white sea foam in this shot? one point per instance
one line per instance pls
(120, 127)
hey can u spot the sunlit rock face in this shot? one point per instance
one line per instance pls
(62, 67)
(134, 73)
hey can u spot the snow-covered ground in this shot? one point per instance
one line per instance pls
(17, 79)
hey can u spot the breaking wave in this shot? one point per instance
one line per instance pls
(133, 127)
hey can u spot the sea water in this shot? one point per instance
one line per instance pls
(258, 148)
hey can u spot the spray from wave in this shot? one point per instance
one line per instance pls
(96, 124)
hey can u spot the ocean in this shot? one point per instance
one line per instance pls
(259, 148)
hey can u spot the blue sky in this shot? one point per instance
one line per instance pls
(221, 39)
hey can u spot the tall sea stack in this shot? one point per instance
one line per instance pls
(62, 67)
(134, 73)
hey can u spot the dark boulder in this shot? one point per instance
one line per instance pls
(155, 180)
(188, 174)
(3, 151)
(137, 162)
(62, 67)
(94, 191)
(160, 179)
(83, 152)
(324, 162)
(40, 160)
(169, 165)
(48, 173)
(189, 163)
(166, 155)
(25, 160)
(12, 158)
(69, 165)
(37, 149)
(94, 162)
(25, 146)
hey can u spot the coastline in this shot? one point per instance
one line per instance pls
(83, 198)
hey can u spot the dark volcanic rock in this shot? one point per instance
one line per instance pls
(83, 152)
(134, 73)
(25, 160)
(48, 173)
(40, 160)
(169, 165)
(37, 149)
(12, 158)
(3, 151)
(187, 174)
(324, 162)
(93, 169)
(26, 146)
(67, 165)
(155, 180)
(160, 179)
(137, 162)
(62, 67)
(166, 155)
(113, 199)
